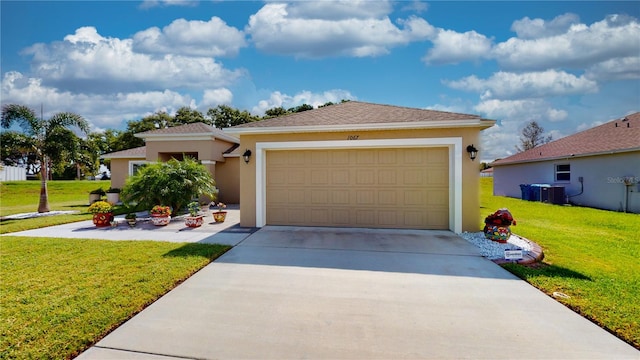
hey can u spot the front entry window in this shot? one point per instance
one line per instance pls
(134, 166)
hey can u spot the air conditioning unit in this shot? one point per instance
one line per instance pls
(553, 195)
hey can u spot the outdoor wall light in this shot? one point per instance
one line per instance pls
(473, 152)
(246, 156)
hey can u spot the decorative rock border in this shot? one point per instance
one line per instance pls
(534, 255)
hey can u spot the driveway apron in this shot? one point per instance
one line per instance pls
(327, 293)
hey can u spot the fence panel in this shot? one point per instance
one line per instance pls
(12, 173)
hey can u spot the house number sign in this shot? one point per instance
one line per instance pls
(353, 137)
(513, 255)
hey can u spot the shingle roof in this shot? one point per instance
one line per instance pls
(615, 136)
(359, 113)
(194, 129)
(139, 152)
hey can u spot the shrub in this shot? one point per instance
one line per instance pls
(173, 183)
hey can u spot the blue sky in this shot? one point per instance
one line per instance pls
(568, 65)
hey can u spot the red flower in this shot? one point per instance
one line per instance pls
(501, 217)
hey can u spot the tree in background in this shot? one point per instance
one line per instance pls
(280, 111)
(43, 135)
(127, 139)
(275, 112)
(532, 135)
(186, 115)
(300, 108)
(224, 116)
(15, 150)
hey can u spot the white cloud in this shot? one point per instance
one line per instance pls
(102, 111)
(500, 140)
(523, 110)
(211, 38)
(537, 28)
(579, 47)
(339, 9)
(627, 68)
(86, 61)
(215, 97)
(362, 31)
(147, 4)
(507, 85)
(415, 6)
(278, 99)
(452, 47)
(585, 126)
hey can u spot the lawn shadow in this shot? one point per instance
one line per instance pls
(209, 251)
(544, 269)
(78, 206)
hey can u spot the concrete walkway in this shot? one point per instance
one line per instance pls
(322, 293)
(227, 232)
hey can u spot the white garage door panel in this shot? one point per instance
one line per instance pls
(379, 188)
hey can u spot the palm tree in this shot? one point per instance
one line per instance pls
(43, 135)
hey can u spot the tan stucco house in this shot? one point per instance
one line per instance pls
(216, 150)
(358, 164)
(598, 167)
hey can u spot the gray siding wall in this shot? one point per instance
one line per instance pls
(603, 176)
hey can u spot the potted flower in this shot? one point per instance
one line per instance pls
(131, 218)
(102, 213)
(194, 220)
(160, 215)
(497, 226)
(113, 195)
(96, 195)
(220, 215)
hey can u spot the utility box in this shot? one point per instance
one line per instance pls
(553, 195)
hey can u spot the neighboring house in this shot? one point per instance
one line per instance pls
(598, 167)
(216, 150)
(357, 164)
(486, 172)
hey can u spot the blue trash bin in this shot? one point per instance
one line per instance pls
(525, 189)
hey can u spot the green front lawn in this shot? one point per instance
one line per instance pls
(17, 197)
(60, 296)
(591, 255)
(23, 196)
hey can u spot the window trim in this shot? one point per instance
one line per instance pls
(132, 163)
(557, 172)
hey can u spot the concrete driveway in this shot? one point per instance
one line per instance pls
(325, 293)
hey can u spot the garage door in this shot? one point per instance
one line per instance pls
(378, 188)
